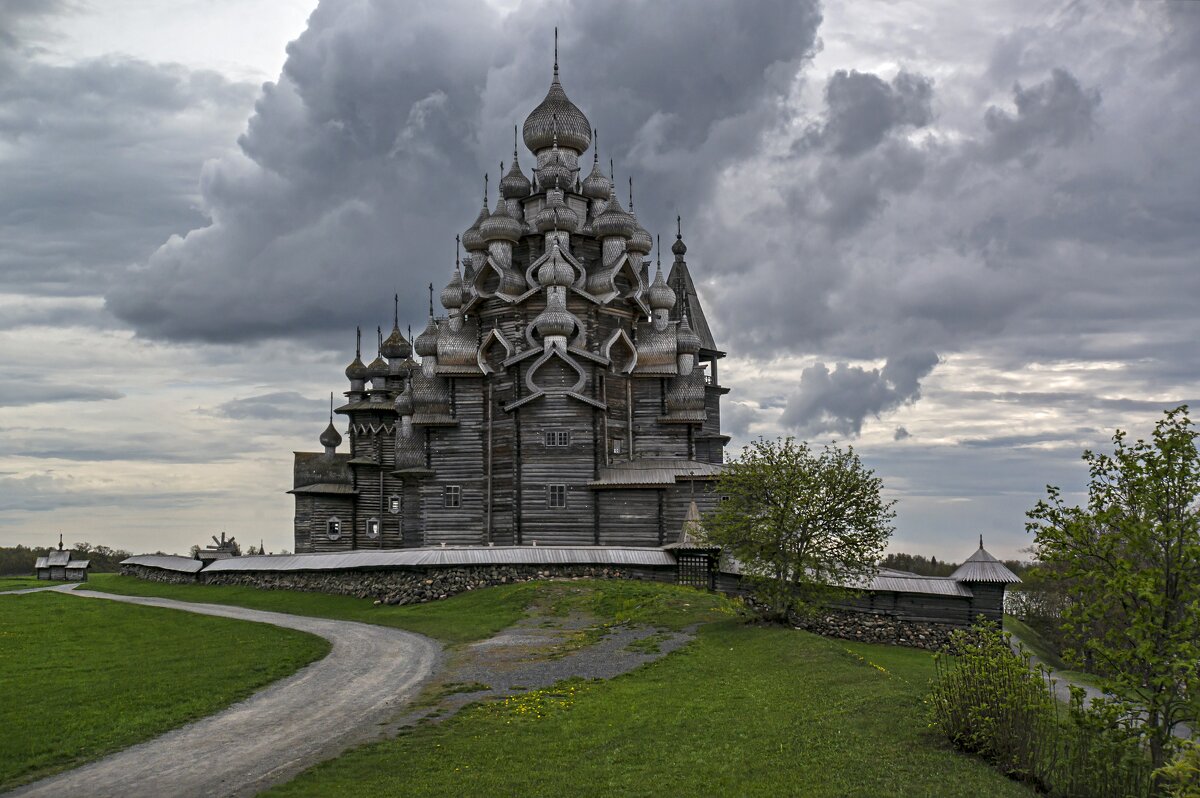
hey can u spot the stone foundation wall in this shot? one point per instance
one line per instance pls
(866, 627)
(158, 574)
(414, 586)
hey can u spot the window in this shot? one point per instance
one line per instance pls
(616, 445)
(452, 496)
(372, 527)
(394, 504)
(558, 437)
(333, 528)
(556, 495)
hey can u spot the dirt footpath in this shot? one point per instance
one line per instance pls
(369, 676)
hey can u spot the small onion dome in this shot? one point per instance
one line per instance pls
(515, 185)
(396, 345)
(596, 186)
(404, 402)
(330, 437)
(378, 367)
(426, 343)
(640, 241)
(356, 370)
(679, 248)
(661, 295)
(500, 226)
(686, 340)
(555, 271)
(471, 239)
(558, 114)
(452, 294)
(555, 174)
(613, 220)
(554, 320)
(556, 214)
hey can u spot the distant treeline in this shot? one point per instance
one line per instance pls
(19, 560)
(932, 566)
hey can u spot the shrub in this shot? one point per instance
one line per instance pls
(988, 700)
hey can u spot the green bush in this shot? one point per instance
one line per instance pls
(987, 700)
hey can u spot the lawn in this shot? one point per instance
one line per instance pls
(23, 582)
(1041, 648)
(744, 710)
(470, 616)
(80, 678)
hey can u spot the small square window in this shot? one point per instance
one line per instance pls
(333, 528)
(394, 504)
(372, 528)
(556, 496)
(452, 496)
(558, 437)
(616, 446)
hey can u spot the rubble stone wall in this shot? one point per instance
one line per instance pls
(867, 627)
(159, 574)
(415, 586)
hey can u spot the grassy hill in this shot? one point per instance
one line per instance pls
(744, 710)
(80, 678)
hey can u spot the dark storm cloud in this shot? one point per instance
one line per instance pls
(862, 108)
(1057, 111)
(101, 158)
(278, 406)
(21, 390)
(839, 401)
(365, 159)
(50, 492)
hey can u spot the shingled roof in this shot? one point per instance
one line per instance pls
(983, 567)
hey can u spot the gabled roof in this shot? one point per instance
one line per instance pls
(983, 567)
(60, 557)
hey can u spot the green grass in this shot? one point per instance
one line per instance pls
(469, 616)
(1041, 648)
(744, 710)
(23, 582)
(80, 678)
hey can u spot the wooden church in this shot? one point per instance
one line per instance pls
(567, 396)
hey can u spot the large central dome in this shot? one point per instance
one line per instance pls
(557, 111)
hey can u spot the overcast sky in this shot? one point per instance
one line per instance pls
(962, 238)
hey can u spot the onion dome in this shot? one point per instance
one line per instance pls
(678, 248)
(330, 438)
(686, 340)
(356, 370)
(557, 112)
(426, 343)
(613, 220)
(555, 320)
(596, 185)
(662, 297)
(396, 345)
(377, 367)
(556, 214)
(471, 238)
(452, 294)
(555, 271)
(500, 226)
(640, 242)
(404, 402)
(514, 184)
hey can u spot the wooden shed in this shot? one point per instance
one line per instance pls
(59, 565)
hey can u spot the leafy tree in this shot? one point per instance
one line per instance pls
(800, 521)
(1131, 566)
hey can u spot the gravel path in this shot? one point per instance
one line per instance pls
(346, 698)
